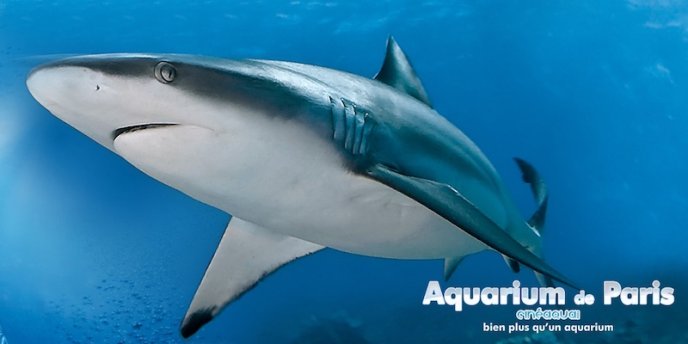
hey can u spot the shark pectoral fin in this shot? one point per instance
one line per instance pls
(246, 254)
(448, 203)
(450, 264)
(396, 71)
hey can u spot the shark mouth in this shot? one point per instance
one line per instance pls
(138, 127)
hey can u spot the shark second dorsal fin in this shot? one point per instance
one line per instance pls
(397, 72)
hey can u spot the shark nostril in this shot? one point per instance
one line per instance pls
(97, 87)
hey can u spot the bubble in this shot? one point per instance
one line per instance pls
(3, 339)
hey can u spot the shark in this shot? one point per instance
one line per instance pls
(303, 158)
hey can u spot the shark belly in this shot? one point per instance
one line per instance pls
(280, 175)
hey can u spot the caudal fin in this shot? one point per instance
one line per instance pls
(539, 189)
(537, 221)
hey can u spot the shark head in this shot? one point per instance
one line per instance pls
(180, 119)
(105, 96)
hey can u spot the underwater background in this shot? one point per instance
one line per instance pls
(593, 93)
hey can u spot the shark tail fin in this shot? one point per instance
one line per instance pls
(537, 221)
(539, 190)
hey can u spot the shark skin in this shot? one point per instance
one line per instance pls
(303, 157)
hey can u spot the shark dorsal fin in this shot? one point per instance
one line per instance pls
(397, 72)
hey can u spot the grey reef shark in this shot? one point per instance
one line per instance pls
(303, 157)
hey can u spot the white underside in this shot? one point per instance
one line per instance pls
(280, 176)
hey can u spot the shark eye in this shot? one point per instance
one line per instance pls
(165, 72)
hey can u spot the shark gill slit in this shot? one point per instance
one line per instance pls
(350, 113)
(350, 126)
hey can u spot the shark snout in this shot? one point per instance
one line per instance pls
(78, 95)
(41, 83)
(55, 85)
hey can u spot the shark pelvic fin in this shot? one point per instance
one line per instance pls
(450, 204)
(397, 72)
(246, 254)
(450, 264)
(513, 265)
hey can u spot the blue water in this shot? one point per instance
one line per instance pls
(594, 93)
